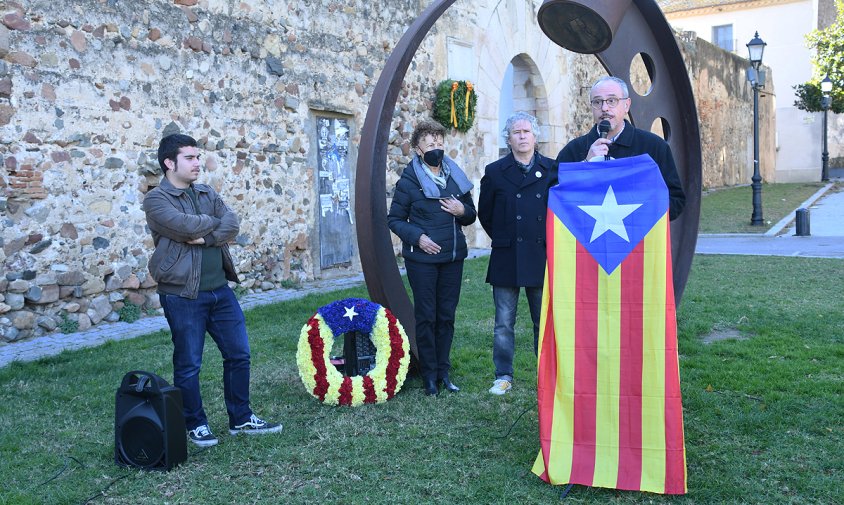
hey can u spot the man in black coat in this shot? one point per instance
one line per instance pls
(610, 100)
(511, 208)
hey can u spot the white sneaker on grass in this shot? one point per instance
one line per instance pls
(500, 386)
(255, 426)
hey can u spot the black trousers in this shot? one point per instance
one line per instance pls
(436, 291)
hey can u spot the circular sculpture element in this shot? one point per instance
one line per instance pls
(392, 353)
(641, 28)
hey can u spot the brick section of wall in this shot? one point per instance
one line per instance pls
(26, 182)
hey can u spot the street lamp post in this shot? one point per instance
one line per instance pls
(826, 102)
(756, 47)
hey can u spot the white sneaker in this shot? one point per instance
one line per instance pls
(255, 426)
(500, 386)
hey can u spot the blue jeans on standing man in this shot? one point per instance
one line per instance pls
(218, 312)
(506, 301)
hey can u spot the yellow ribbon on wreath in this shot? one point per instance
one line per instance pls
(468, 92)
(453, 111)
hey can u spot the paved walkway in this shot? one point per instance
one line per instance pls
(826, 239)
(826, 217)
(54, 343)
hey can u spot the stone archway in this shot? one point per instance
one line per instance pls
(523, 90)
(540, 67)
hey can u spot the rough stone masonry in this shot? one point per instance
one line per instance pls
(89, 87)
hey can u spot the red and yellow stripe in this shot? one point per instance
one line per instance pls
(610, 412)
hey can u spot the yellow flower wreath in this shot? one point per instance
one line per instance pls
(392, 354)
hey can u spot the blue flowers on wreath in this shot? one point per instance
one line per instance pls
(350, 314)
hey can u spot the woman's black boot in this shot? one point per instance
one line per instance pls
(430, 387)
(447, 384)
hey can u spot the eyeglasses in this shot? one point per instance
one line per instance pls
(598, 103)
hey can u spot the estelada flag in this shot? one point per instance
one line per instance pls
(608, 385)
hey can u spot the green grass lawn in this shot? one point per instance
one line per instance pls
(728, 210)
(764, 418)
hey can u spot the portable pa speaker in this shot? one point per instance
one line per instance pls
(149, 427)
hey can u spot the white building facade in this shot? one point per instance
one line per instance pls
(783, 25)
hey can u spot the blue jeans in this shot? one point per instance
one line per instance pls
(506, 301)
(436, 291)
(217, 312)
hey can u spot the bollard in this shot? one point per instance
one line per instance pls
(802, 221)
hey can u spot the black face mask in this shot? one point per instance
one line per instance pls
(434, 157)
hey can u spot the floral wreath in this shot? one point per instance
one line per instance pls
(392, 353)
(454, 105)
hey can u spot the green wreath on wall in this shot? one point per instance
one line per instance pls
(455, 105)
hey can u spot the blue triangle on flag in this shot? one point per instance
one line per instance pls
(610, 206)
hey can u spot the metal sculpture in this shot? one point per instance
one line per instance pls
(634, 29)
(378, 261)
(644, 31)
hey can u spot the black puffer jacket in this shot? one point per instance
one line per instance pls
(412, 214)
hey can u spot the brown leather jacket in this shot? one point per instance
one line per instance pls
(175, 265)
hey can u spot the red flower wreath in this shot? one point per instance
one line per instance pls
(392, 358)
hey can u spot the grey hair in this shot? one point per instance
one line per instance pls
(624, 90)
(520, 116)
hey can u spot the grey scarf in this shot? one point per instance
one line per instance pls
(430, 186)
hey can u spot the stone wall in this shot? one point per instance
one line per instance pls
(724, 101)
(88, 88)
(827, 13)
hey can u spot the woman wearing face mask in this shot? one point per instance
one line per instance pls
(431, 205)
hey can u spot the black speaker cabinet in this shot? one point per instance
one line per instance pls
(149, 427)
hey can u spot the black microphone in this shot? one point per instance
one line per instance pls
(604, 130)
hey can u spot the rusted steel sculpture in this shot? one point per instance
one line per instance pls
(617, 31)
(583, 27)
(377, 259)
(644, 31)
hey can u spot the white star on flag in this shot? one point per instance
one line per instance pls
(350, 313)
(609, 216)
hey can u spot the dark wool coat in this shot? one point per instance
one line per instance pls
(633, 142)
(512, 208)
(412, 214)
